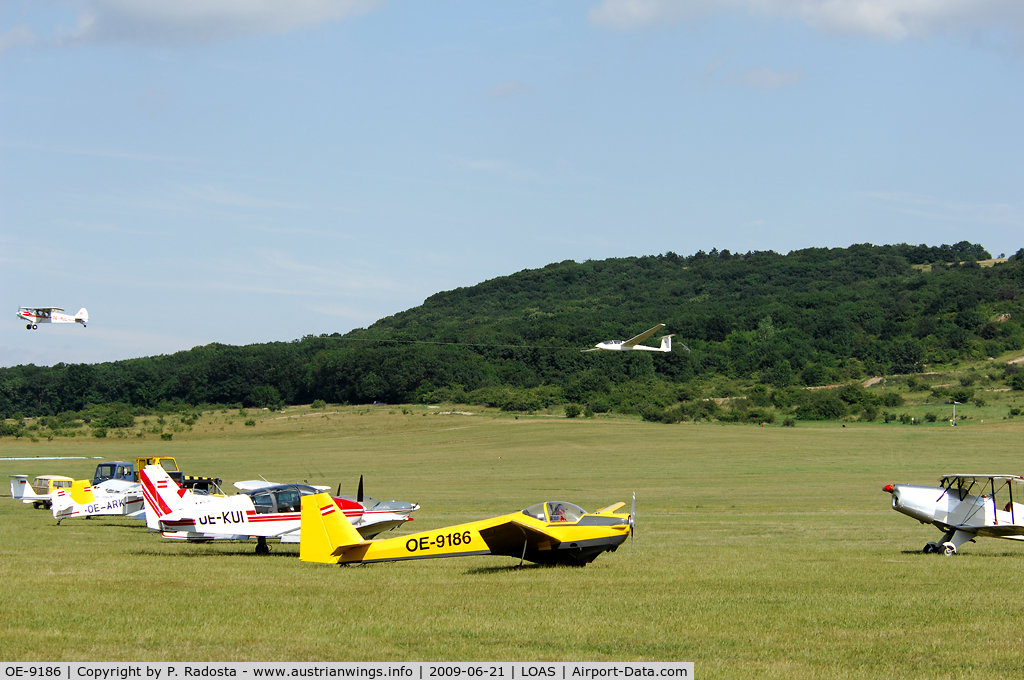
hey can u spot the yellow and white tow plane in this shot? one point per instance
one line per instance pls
(961, 515)
(547, 533)
(634, 343)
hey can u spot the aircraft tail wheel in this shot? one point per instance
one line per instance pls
(948, 549)
(632, 521)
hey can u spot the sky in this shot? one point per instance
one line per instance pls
(247, 171)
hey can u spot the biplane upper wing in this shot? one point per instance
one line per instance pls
(632, 342)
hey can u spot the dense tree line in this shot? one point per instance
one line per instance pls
(809, 317)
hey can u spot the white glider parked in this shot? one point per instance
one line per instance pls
(961, 515)
(112, 497)
(634, 343)
(37, 315)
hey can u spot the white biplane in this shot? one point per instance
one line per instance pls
(111, 497)
(960, 514)
(267, 511)
(37, 315)
(634, 343)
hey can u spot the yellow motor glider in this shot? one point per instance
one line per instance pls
(547, 533)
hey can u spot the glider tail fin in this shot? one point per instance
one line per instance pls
(324, 529)
(666, 343)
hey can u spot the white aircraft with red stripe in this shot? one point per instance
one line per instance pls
(273, 511)
(37, 315)
(112, 497)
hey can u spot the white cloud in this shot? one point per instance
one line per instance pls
(890, 19)
(182, 22)
(16, 37)
(512, 88)
(767, 78)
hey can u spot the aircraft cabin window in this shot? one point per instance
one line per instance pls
(288, 501)
(535, 511)
(264, 503)
(560, 511)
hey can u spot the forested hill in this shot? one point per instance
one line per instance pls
(810, 317)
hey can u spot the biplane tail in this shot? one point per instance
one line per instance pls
(161, 495)
(325, 532)
(83, 316)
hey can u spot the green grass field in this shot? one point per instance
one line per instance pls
(760, 552)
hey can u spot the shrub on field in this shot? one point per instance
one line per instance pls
(99, 432)
(251, 422)
(930, 417)
(572, 410)
(823, 405)
(892, 399)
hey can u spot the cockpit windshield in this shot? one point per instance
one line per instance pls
(555, 511)
(283, 498)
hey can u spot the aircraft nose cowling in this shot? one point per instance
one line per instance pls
(914, 501)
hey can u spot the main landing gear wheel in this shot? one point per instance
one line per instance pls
(948, 549)
(28, 326)
(930, 548)
(35, 327)
(261, 546)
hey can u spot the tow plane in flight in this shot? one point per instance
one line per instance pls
(37, 315)
(268, 511)
(546, 533)
(634, 343)
(960, 514)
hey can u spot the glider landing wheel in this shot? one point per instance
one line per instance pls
(261, 546)
(948, 549)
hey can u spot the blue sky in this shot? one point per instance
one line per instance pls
(243, 171)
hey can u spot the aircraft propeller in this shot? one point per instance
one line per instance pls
(632, 522)
(359, 493)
